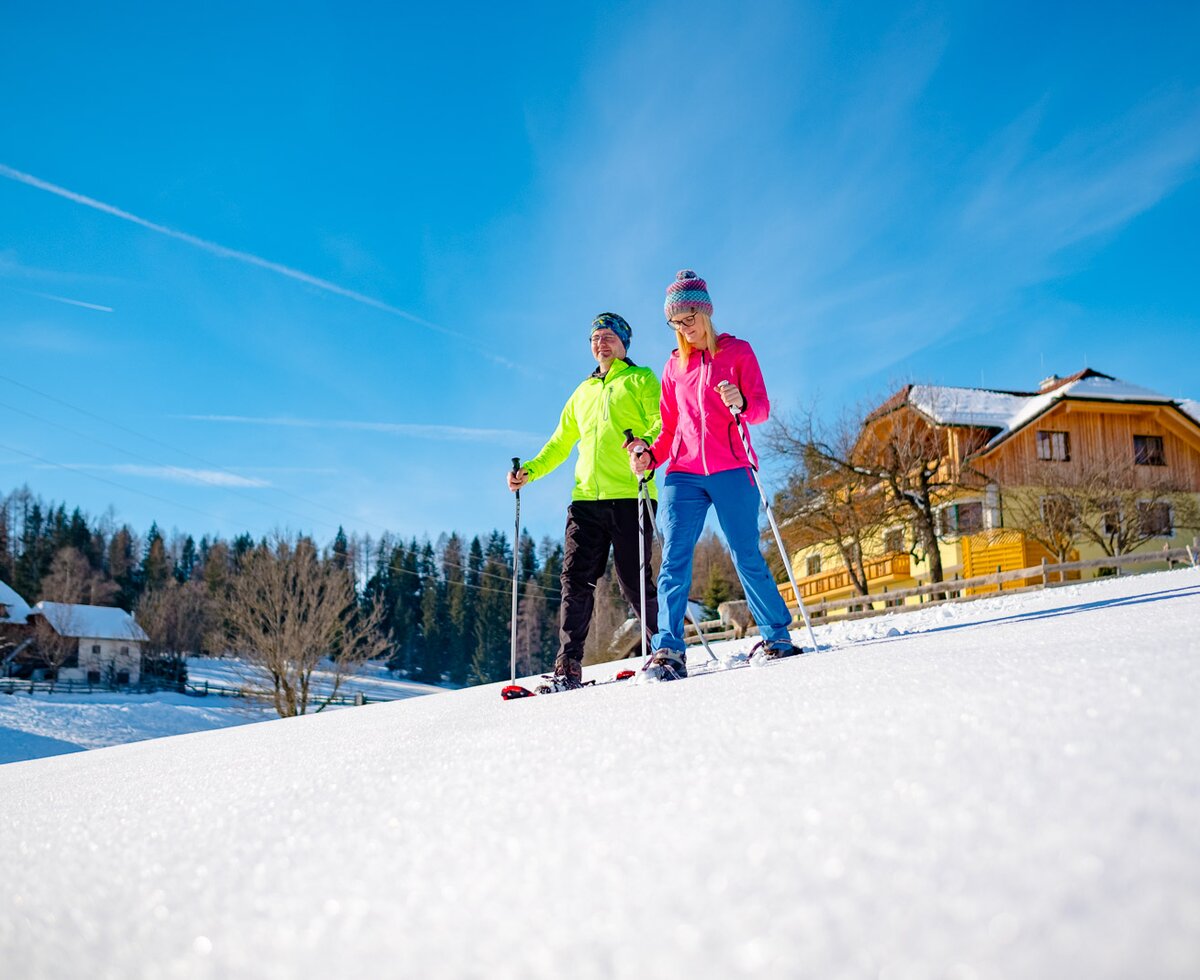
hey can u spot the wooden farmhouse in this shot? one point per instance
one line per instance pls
(1086, 466)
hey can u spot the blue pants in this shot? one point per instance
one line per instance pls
(683, 501)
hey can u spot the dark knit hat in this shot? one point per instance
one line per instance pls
(616, 324)
(688, 292)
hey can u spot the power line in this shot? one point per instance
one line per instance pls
(344, 518)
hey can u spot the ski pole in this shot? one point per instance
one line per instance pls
(641, 553)
(787, 565)
(516, 466)
(644, 507)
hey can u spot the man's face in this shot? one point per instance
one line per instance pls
(606, 345)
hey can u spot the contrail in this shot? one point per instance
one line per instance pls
(227, 253)
(72, 302)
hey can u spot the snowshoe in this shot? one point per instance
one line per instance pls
(667, 665)
(775, 650)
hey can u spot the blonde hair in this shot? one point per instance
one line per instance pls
(710, 339)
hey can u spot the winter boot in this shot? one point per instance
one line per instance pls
(668, 665)
(775, 649)
(568, 674)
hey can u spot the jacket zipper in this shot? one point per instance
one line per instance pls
(605, 397)
(703, 414)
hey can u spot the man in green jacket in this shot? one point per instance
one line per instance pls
(603, 514)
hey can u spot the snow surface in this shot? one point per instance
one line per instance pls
(34, 726)
(1192, 408)
(1004, 788)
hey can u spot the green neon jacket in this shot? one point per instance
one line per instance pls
(596, 417)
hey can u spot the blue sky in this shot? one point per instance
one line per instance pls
(295, 266)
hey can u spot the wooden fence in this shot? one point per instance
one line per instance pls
(14, 685)
(883, 603)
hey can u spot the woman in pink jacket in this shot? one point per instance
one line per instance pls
(708, 377)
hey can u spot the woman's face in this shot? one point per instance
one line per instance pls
(691, 326)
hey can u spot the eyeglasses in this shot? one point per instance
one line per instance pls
(683, 321)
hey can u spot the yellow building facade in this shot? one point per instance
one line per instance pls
(1005, 449)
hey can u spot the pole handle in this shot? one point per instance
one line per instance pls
(733, 410)
(516, 460)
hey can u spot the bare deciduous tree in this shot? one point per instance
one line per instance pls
(1109, 503)
(72, 579)
(56, 649)
(827, 499)
(287, 611)
(179, 619)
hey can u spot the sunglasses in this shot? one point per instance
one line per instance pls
(683, 321)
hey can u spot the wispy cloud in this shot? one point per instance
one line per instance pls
(176, 474)
(249, 259)
(456, 433)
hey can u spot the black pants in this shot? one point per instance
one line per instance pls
(592, 527)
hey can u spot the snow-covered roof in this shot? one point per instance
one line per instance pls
(1086, 386)
(966, 406)
(13, 609)
(90, 622)
(1007, 411)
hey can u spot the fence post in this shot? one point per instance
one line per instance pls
(359, 699)
(999, 584)
(1045, 576)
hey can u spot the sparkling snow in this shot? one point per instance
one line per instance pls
(1005, 788)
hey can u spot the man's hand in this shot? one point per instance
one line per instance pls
(731, 395)
(518, 479)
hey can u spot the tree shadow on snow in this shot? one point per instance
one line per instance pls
(1182, 592)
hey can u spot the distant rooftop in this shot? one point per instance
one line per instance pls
(90, 622)
(13, 609)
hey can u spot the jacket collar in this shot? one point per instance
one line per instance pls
(620, 364)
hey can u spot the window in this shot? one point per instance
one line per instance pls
(812, 565)
(893, 540)
(124, 651)
(963, 518)
(95, 648)
(1155, 519)
(1148, 451)
(1055, 446)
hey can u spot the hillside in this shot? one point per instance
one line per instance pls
(1009, 788)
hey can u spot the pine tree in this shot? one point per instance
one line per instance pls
(156, 566)
(433, 614)
(341, 550)
(186, 564)
(550, 579)
(717, 589)
(6, 562)
(491, 659)
(460, 610)
(122, 568)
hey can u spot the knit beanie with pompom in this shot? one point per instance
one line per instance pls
(686, 294)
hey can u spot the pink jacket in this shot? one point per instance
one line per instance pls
(699, 433)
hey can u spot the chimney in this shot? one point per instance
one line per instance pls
(1048, 383)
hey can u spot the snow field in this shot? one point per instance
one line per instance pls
(1012, 793)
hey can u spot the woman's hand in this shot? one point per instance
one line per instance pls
(731, 395)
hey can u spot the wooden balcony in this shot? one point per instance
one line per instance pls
(883, 570)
